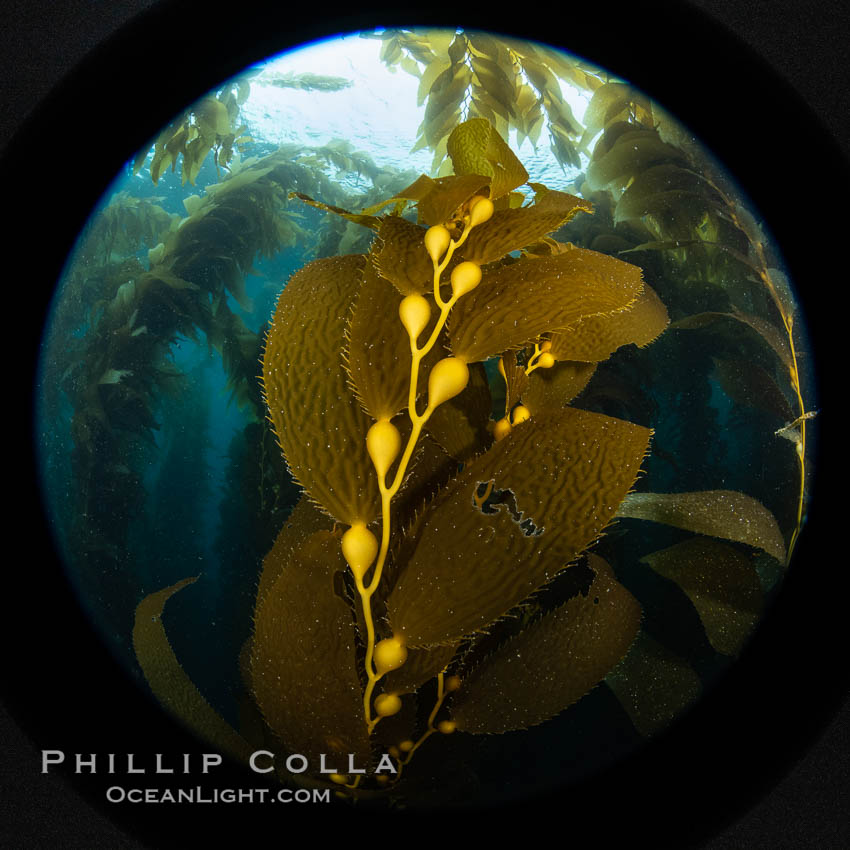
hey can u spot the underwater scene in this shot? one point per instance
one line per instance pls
(431, 405)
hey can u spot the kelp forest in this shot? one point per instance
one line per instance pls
(390, 470)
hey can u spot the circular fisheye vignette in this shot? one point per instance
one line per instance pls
(192, 273)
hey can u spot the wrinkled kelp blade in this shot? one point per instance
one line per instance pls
(552, 389)
(510, 230)
(553, 663)
(477, 148)
(716, 513)
(400, 256)
(557, 483)
(169, 682)
(303, 663)
(517, 302)
(379, 348)
(596, 338)
(318, 421)
(721, 582)
(429, 470)
(653, 685)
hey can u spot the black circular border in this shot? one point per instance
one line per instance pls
(67, 692)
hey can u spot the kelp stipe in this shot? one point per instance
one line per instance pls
(400, 600)
(465, 228)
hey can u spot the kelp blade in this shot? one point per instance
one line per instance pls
(319, 424)
(304, 520)
(556, 484)
(377, 357)
(399, 255)
(169, 682)
(477, 148)
(510, 230)
(303, 662)
(722, 584)
(378, 348)
(553, 663)
(716, 513)
(552, 389)
(653, 685)
(596, 338)
(516, 303)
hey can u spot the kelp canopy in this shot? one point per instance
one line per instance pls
(491, 468)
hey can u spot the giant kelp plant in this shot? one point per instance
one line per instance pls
(470, 400)
(435, 575)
